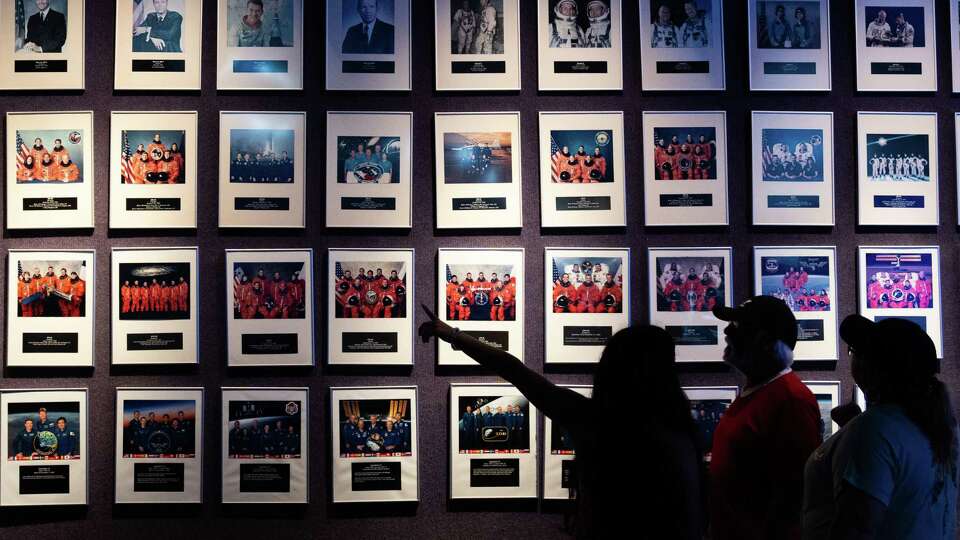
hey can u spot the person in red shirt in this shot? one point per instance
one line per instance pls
(766, 435)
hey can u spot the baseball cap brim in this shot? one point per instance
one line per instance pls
(725, 313)
(857, 330)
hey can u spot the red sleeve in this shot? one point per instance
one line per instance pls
(795, 436)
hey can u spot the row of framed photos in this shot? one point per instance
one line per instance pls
(369, 297)
(265, 449)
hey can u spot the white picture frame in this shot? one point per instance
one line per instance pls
(51, 62)
(469, 56)
(383, 63)
(559, 455)
(791, 55)
(895, 68)
(828, 398)
(707, 405)
(254, 58)
(577, 55)
(675, 55)
(955, 46)
(158, 52)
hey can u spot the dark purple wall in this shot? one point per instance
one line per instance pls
(433, 517)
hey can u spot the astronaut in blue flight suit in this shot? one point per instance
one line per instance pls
(68, 440)
(23, 443)
(358, 439)
(468, 428)
(392, 438)
(346, 433)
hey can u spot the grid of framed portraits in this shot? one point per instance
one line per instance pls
(260, 45)
(44, 45)
(477, 45)
(587, 300)
(368, 45)
(681, 45)
(789, 45)
(559, 456)
(159, 46)
(370, 306)
(478, 171)
(707, 405)
(896, 45)
(579, 44)
(374, 444)
(828, 398)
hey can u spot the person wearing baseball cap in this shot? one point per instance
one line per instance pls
(892, 471)
(765, 436)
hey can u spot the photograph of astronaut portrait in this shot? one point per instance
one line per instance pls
(477, 158)
(706, 415)
(368, 159)
(481, 292)
(899, 281)
(269, 290)
(477, 26)
(792, 155)
(260, 23)
(788, 25)
(680, 24)
(802, 282)
(587, 284)
(370, 289)
(49, 156)
(685, 153)
(157, 25)
(261, 156)
(898, 157)
(894, 26)
(43, 431)
(582, 156)
(690, 283)
(494, 424)
(40, 26)
(375, 428)
(154, 291)
(264, 430)
(368, 27)
(153, 157)
(579, 24)
(51, 288)
(159, 428)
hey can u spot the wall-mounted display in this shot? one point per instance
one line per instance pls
(153, 306)
(681, 45)
(478, 170)
(707, 405)
(369, 169)
(270, 307)
(158, 45)
(493, 442)
(368, 45)
(896, 45)
(586, 301)
(159, 448)
(44, 45)
(828, 398)
(370, 307)
(579, 45)
(260, 45)
(685, 168)
(153, 170)
(477, 45)
(45, 451)
(50, 312)
(263, 169)
(897, 169)
(266, 445)
(954, 46)
(374, 444)
(685, 284)
(902, 282)
(805, 278)
(559, 455)
(789, 45)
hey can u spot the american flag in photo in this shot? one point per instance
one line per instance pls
(125, 168)
(554, 159)
(20, 20)
(896, 260)
(767, 155)
(557, 271)
(338, 270)
(449, 274)
(22, 151)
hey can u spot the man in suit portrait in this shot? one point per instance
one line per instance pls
(46, 30)
(159, 31)
(371, 35)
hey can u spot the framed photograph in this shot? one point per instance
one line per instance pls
(481, 292)
(47, 39)
(264, 148)
(956, 121)
(260, 45)
(586, 301)
(370, 307)
(478, 44)
(828, 398)
(792, 168)
(374, 444)
(789, 45)
(805, 278)
(681, 45)
(50, 170)
(896, 45)
(270, 307)
(559, 456)
(45, 450)
(685, 285)
(582, 170)
(154, 311)
(707, 405)
(685, 172)
(369, 171)
(898, 171)
(478, 170)
(52, 320)
(266, 445)
(579, 45)
(158, 45)
(159, 453)
(153, 171)
(902, 282)
(954, 47)
(368, 45)
(493, 443)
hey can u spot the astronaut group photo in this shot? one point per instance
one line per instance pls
(375, 427)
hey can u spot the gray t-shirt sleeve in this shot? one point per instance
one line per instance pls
(866, 460)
